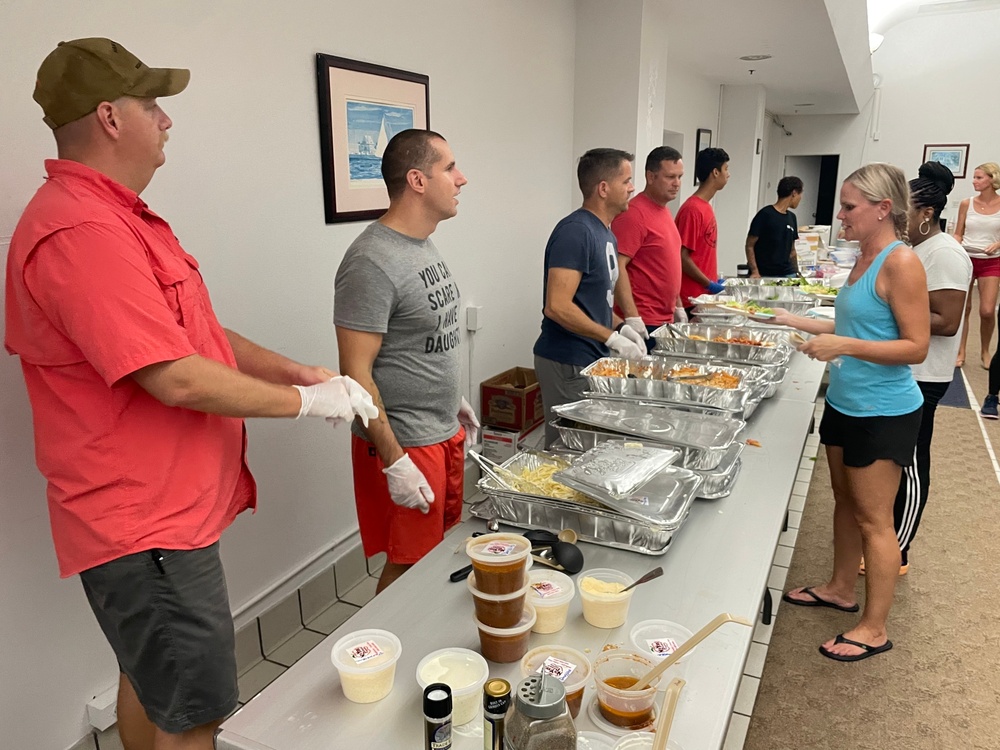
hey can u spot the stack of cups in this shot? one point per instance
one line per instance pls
(499, 586)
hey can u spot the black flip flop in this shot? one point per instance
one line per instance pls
(818, 601)
(866, 650)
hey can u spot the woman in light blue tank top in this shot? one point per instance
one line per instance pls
(873, 404)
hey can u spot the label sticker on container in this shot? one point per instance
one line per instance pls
(639, 499)
(557, 668)
(546, 588)
(364, 651)
(662, 646)
(499, 548)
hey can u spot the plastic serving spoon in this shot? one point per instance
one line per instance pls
(654, 573)
(689, 644)
(666, 719)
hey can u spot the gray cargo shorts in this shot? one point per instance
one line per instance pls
(166, 615)
(560, 384)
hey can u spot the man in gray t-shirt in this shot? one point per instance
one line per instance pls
(396, 311)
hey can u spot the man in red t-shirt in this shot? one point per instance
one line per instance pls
(649, 247)
(138, 394)
(698, 228)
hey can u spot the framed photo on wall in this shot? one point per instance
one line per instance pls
(955, 156)
(361, 107)
(703, 140)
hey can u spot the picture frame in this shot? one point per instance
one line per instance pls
(361, 106)
(955, 156)
(703, 140)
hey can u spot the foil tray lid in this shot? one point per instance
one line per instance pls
(655, 423)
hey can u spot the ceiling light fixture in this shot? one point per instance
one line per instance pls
(804, 104)
(755, 58)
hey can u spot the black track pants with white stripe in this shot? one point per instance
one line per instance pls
(915, 482)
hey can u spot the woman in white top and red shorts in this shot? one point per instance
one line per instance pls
(978, 231)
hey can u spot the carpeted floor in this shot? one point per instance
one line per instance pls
(939, 688)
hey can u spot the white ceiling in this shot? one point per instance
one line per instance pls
(807, 64)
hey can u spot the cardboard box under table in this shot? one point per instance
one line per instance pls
(512, 400)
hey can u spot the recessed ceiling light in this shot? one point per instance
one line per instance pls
(755, 58)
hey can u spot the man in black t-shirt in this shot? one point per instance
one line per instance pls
(773, 231)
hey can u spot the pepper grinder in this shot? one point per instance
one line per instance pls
(539, 718)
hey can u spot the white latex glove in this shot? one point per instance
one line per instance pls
(636, 336)
(636, 325)
(467, 418)
(623, 347)
(338, 400)
(408, 487)
(680, 316)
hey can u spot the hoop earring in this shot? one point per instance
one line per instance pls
(925, 227)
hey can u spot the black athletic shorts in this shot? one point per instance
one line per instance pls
(866, 440)
(166, 615)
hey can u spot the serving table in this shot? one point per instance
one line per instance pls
(719, 562)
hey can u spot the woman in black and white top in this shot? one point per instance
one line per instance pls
(949, 273)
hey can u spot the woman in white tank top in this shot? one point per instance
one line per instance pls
(978, 231)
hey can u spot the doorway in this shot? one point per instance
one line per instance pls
(819, 186)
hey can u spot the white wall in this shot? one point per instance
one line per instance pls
(936, 89)
(813, 135)
(741, 124)
(242, 190)
(932, 91)
(692, 102)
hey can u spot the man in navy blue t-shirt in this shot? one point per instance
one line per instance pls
(581, 271)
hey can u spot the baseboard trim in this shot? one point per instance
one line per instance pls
(282, 588)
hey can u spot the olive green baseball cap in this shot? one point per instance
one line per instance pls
(80, 74)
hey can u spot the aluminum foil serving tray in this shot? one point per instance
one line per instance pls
(773, 351)
(648, 378)
(775, 372)
(670, 497)
(702, 437)
(719, 482)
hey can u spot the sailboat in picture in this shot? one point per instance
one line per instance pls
(383, 140)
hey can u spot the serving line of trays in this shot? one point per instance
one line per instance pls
(643, 521)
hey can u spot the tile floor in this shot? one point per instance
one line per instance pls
(270, 644)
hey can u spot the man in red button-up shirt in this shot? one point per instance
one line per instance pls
(138, 395)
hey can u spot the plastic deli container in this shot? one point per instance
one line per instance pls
(614, 672)
(505, 645)
(550, 593)
(464, 671)
(643, 741)
(594, 741)
(657, 639)
(603, 606)
(366, 661)
(498, 610)
(566, 664)
(498, 562)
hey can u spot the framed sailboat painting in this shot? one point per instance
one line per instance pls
(361, 107)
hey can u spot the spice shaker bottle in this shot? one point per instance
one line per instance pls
(496, 701)
(437, 717)
(539, 718)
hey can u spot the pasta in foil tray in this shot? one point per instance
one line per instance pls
(616, 468)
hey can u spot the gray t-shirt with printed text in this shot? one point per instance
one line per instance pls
(401, 287)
